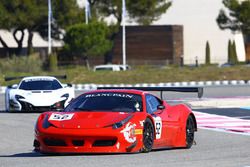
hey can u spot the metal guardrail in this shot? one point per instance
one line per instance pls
(168, 84)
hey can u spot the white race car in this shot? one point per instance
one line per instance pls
(38, 93)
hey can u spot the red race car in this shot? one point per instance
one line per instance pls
(117, 121)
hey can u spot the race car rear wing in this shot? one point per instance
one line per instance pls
(20, 77)
(198, 90)
(13, 78)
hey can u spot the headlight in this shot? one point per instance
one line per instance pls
(121, 123)
(46, 123)
(18, 97)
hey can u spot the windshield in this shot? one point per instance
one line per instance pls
(106, 101)
(40, 85)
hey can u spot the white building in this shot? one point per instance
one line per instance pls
(37, 42)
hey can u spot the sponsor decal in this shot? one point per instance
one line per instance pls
(158, 127)
(122, 113)
(38, 79)
(129, 133)
(138, 131)
(60, 117)
(109, 95)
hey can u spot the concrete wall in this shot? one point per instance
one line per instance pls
(154, 45)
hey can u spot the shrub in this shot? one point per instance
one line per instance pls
(53, 62)
(86, 40)
(207, 53)
(229, 51)
(234, 57)
(31, 63)
(232, 54)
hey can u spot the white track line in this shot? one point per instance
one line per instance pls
(222, 123)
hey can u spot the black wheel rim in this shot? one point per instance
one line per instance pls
(190, 132)
(148, 136)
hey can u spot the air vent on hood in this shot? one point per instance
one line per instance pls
(47, 91)
(36, 91)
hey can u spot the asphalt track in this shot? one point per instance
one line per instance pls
(213, 148)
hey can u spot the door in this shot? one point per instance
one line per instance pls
(158, 115)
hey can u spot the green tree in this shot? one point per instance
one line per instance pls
(207, 53)
(65, 13)
(234, 54)
(145, 12)
(229, 51)
(19, 15)
(32, 16)
(88, 40)
(238, 17)
(142, 11)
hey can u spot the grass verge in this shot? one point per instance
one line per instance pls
(140, 74)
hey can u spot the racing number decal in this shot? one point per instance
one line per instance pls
(60, 117)
(158, 127)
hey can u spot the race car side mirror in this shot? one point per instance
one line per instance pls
(160, 107)
(14, 86)
(69, 85)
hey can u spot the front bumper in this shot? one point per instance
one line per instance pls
(103, 140)
(18, 105)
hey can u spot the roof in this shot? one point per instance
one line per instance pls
(39, 77)
(132, 91)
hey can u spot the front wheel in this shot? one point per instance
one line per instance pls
(190, 129)
(148, 136)
(7, 106)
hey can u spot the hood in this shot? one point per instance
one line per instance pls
(86, 120)
(42, 97)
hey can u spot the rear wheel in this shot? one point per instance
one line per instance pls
(148, 136)
(190, 129)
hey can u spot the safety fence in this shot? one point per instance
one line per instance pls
(92, 86)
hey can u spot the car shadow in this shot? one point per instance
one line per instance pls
(23, 155)
(37, 154)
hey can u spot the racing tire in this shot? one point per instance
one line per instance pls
(7, 107)
(148, 136)
(190, 129)
(7, 102)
